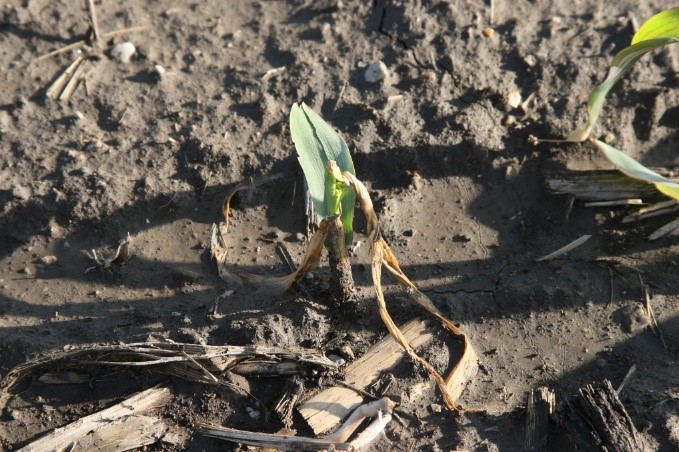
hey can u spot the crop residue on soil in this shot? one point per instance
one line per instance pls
(439, 139)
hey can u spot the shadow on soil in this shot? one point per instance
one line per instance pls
(508, 282)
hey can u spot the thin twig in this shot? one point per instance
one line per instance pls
(58, 85)
(618, 202)
(82, 42)
(561, 251)
(72, 84)
(201, 367)
(339, 96)
(64, 49)
(122, 31)
(95, 24)
(651, 314)
(625, 380)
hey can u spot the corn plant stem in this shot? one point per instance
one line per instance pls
(341, 279)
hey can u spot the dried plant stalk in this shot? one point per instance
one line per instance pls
(379, 409)
(193, 362)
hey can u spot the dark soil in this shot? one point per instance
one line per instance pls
(134, 152)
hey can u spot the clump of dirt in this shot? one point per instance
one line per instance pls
(459, 189)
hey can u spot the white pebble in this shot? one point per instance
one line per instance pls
(530, 60)
(376, 71)
(123, 52)
(512, 100)
(48, 260)
(337, 360)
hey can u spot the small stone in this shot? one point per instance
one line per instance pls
(530, 60)
(55, 231)
(608, 138)
(48, 260)
(601, 362)
(488, 32)
(337, 360)
(435, 408)
(513, 100)
(376, 72)
(254, 414)
(416, 180)
(123, 52)
(93, 146)
(159, 71)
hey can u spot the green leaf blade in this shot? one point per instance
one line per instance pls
(621, 64)
(665, 24)
(317, 143)
(630, 167)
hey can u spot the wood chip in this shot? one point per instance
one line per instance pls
(71, 434)
(325, 410)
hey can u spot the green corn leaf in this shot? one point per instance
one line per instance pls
(621, 64)
(660, 30)
(317, 143)
(636, 170)
(665, 24)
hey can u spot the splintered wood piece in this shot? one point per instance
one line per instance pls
(540, 404)
(68, 435)
(326, 409)
(604, 419)
(130, 433)
(599, 185)
(270, 440)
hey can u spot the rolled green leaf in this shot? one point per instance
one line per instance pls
(636, 170)
(621, 64)
(660, 30)
(317, 143)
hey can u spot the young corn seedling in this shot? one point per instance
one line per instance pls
(334, 191)
(658, 31)
(324, 155)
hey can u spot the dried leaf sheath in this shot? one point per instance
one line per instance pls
(451, 387)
